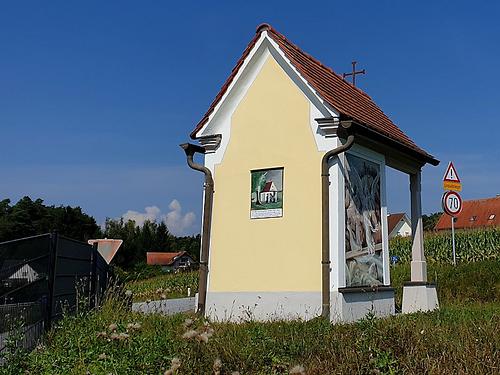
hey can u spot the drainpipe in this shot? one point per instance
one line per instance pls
(190, 150)
(325, 212)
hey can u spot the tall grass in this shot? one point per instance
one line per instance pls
(452, 340)
(476, 282)
(457, 339)
(164, 286)
(471, 246)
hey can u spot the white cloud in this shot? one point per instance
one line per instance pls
(151, 213)
(177, 223)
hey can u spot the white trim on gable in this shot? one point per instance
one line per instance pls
(219, 121)
(237, 89)
(323, 107)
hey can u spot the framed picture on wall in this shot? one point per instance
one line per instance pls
(266, 196)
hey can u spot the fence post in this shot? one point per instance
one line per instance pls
(51, 278)
(93, 276)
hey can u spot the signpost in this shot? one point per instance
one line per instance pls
(451, 201)
(451, 181)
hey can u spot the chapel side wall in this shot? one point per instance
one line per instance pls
(270, 128)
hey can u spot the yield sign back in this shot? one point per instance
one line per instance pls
(107, 247)
(451, 174)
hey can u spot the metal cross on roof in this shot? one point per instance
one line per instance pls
(354, 72)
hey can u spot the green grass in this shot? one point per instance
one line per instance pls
(462, 337)
(465, 283)
(166, 285)
(451, 340)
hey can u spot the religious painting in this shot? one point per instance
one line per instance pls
(363, 226)
(266, 197)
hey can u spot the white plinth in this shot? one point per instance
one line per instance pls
(352, 304)
(419, 297)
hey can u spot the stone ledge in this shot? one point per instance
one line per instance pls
(366, 289)
(419, 283)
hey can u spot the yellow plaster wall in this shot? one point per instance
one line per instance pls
(270, 128)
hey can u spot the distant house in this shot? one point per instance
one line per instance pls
(477, 213)
(398, 225)
(171, 261)
(269, 194)
(14, 273)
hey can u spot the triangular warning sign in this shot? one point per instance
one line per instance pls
(107, 247)
(451, 174)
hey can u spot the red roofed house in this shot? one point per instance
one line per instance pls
(283, 113)
(171, 261)
(269, 194)
(479, 213)
(398, 225)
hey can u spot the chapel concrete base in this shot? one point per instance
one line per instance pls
(419, 296)
(347, 305)
(352, 304)
(262, 306)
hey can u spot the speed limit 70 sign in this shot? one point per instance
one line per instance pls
(452, 203)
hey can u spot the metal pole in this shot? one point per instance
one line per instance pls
(190, 150)
(93, 276)
(453, 240)
(325, 221)
(51, 278)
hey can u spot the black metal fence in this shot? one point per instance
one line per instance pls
(43, 277)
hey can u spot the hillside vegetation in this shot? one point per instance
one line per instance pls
(30, 217)
(461, 337)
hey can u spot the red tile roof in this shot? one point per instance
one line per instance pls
(267, 186)
(350, 101)
(162, 259)
(475, 214)
(393, 220)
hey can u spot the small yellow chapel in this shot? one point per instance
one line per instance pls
(295, 206)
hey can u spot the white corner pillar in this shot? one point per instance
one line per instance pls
(418, 295)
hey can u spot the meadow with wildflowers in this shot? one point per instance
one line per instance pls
(461, 337)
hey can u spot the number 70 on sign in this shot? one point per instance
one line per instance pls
(452, 203)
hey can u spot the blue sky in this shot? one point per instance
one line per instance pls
(96, 96)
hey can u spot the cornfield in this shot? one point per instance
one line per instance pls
(471, 246)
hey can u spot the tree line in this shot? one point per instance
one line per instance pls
(30, 217)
